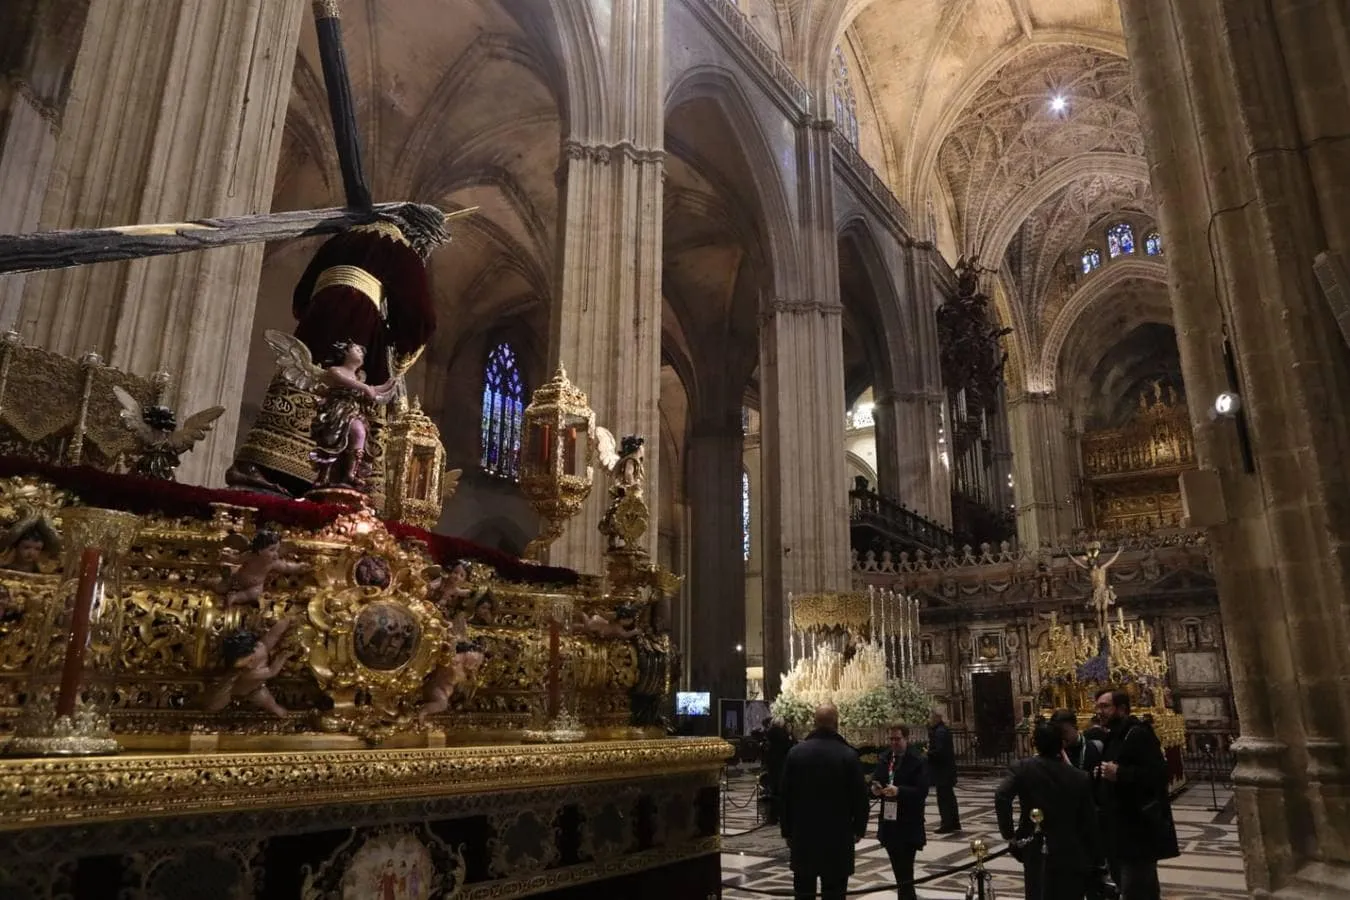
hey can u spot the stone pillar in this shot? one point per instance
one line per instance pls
(175, 112)
(1041, 472)
(717, 576)
(606, 326)
(805, 506)
(1245, 116)
(906, 449)
(887, 432)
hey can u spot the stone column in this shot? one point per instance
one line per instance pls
(887, 430)
(717, 576)
(175, 112)
(802, 392)
(606, 327)
(1041, 473)
(1245, 116)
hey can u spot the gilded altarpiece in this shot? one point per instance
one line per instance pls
(1131, 474)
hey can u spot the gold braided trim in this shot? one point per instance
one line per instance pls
(403, 363)
(385, 229)
(353, 277)
(326, 9)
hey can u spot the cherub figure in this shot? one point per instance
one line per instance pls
(30, 546)
(249, 665)
(159, 439)
(623, 460)
(341, 424)
(624, 625)
(248, 572)
(462, 669)
(449, 588)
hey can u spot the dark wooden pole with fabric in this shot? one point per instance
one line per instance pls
(337, 81)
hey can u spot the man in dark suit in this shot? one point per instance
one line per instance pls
(824, 809)
(1136, 811)
(942, 768)
(901, 781)
(1060, 866)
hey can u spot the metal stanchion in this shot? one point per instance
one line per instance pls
(981, 880)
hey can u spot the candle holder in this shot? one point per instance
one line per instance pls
(561, 727)
(72, 682)
(416, 466)
(555, 457)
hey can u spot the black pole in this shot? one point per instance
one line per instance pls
(342, 110)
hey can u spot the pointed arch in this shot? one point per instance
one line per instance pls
(1090, 292)
(747, 134)
(887, 308)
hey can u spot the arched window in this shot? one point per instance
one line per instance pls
(845, 106)
(1153, 244)
(503, 402)
(745, 514)
(1120, 239)
(1092, 259)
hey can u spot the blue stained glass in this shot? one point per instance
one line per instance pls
(503, 403)
(745, 514)
(1153, 244)
(1120, 239)
(1092, 259)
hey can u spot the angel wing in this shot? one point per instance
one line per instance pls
(607, 448)
(294, 361)
(450, 483)
(133, 416)
(194, 429)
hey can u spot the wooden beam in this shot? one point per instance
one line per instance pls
(63, 249)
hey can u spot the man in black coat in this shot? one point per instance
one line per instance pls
(1061, 865)
(1136, 811)
(1083, 751)
(942, 768)
(901, 781)
(824, 809)
(777, 743)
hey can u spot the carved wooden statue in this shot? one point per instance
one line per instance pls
(342, 421)
(161, 442)
(249, 665)
(247, 572)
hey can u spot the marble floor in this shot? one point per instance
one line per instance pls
(753, 855)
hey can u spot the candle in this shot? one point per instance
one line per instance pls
(91, 560)
(1120, 615)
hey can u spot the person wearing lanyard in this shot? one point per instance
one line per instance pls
(900, 781)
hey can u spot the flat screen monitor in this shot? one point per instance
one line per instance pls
(693, 703)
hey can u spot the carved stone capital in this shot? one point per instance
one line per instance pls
(780, 306)
(604, 154)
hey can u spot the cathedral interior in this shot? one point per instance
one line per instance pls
(1011, 310)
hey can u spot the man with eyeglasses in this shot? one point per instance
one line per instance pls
(1136, 812)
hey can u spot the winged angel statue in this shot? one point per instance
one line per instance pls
(160, 441)
(342, 421)
(625, 520)
(623, 460)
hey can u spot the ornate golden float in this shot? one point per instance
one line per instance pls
(1079, 662)
(122, 608)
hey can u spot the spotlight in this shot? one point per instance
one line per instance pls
(1227, 404)
(1059, 103)
(739, 648)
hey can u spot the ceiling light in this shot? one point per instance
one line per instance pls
(1059, 103)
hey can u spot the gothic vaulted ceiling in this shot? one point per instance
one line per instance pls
(963, 93)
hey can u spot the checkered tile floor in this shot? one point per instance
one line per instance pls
(753, 855)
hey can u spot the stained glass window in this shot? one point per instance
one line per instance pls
(1092, 259)
(845, 106)
(745, 514)
(503, 403)
(1120, 239)
(1153, 244)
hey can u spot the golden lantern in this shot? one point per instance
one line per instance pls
(555, 457)
(416, 462)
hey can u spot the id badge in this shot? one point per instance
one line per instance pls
(890, 810)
